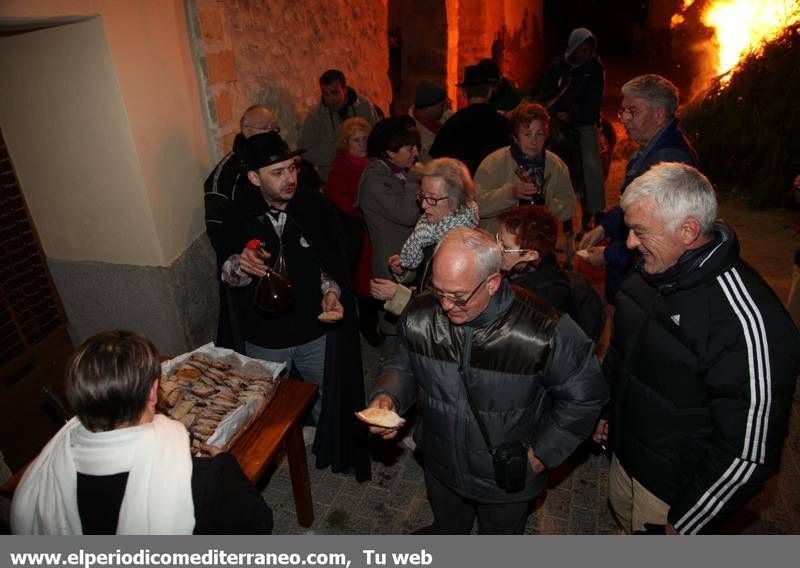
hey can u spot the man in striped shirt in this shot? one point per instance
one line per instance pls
(702, 365)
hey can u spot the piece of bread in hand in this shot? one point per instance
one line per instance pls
(380, 417)
(329, 317)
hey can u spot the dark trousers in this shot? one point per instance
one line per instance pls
(453, 514)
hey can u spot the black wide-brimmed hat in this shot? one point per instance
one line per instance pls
(263, 150)
(475, 75)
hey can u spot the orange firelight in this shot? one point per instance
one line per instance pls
(741, 26)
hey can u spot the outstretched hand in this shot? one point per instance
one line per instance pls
(210, 451)
(592, 237)
(382, 289)
(331, 303)
(395, 266)
(386, 403)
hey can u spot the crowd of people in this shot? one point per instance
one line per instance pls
(434, 236)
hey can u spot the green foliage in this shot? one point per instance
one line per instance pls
(746, 132)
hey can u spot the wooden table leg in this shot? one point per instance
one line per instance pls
(298, 469)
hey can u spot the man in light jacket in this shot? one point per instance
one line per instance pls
(321, 128)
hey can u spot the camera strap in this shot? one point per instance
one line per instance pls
(464, 371)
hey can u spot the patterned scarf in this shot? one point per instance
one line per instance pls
(533, 165)
(426, 233)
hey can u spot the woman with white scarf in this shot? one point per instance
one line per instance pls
(119, 468)
(447, 200)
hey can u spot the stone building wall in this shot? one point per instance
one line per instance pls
(479, 21)
(440, 38)
(274, 52)
(522, 41)
(510, 32)
(424, 47)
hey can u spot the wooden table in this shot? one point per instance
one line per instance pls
(281, 424)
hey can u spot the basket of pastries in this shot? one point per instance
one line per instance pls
(216, 393)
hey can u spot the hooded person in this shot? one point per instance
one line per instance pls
(571, 88)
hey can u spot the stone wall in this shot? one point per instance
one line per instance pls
(442, 37)
(478, 22)
(175, 306)
(510, 32)
(424, 27)
(274, 52)
(521, 41)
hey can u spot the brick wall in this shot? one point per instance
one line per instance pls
(273, 52)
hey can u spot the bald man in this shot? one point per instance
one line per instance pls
(471, 343)
(221, 185)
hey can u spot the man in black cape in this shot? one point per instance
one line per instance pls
(301, 226)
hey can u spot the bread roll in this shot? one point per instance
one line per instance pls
(380, 417)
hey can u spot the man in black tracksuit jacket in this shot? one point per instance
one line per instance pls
(702, 366)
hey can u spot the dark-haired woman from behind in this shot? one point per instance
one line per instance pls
(120, 468)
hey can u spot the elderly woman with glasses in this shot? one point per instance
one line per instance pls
(447, 200)
(527, 240)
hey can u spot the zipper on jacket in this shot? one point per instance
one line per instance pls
(463, 406)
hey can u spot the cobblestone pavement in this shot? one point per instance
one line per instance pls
(394, 502)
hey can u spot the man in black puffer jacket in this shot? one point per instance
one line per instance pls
(532, 378)
(702, 365)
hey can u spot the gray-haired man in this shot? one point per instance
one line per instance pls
(472, 343)
(702, 364)
(648, 110)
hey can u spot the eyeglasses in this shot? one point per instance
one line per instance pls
(456, 299)
(505, 250)
(630, 111)
(432, 201)
(275, 129)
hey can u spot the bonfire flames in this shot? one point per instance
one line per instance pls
(740, 27)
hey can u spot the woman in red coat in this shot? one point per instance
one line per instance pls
(342, 190)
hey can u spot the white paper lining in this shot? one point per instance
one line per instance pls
(236, 420)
